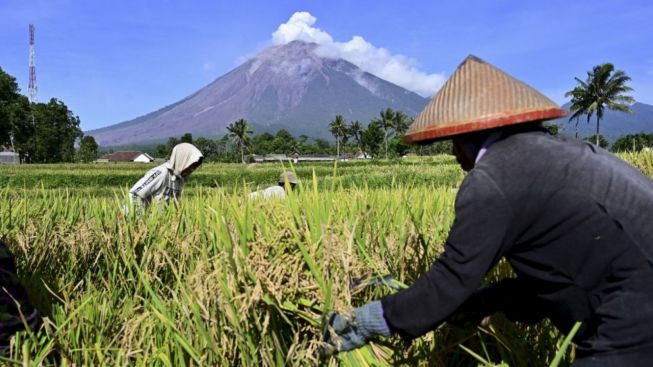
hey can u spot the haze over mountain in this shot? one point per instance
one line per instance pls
(613, 124)
(287, 86)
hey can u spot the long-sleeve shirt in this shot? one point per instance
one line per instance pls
(166, 181)
(157, 184)
(576, 225)
(269, 193)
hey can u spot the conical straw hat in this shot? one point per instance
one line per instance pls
(479, 96)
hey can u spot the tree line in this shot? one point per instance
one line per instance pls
(37, 132)
(388, 128)
(382, 137)
(625, 143)
(227, 150)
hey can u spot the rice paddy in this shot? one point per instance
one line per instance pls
(222, 280)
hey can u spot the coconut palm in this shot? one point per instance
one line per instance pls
(239, 132)
(401, 122)
(338, 128)
(579, 102)
(356, 131)
(604, 87)
(387, 121)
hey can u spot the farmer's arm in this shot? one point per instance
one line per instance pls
(476, 242)
(513, 297)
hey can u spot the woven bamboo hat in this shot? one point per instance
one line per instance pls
(287, 175)
(478, 96)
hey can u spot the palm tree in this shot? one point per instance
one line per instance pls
(401, 122)
(239, 132)
(338, 129)
(603, 88)
(387, 122)
(356, 131)
(579, 103)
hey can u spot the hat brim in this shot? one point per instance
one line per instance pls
(438, 132)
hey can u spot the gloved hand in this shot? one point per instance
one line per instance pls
(346, 332)
(478, 308)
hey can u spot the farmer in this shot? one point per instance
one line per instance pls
(574, 222)
(287, 181)
(16, 311)
(166, 181)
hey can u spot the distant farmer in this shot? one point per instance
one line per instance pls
(16, 311)
(574, 222)
(166, 181)
(287, 180)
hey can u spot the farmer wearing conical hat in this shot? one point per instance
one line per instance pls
(287, 181)
(574, 222)
(166, 181)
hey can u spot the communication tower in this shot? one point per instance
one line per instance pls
(32, 66)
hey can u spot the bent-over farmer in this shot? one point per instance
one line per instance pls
(166, 181)
(574, 222)
(287, 181)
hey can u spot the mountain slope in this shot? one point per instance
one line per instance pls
(286, 86)
(613, 124)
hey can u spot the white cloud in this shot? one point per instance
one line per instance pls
(300, 27)
(395, 68)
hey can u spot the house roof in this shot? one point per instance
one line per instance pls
(149, 157)
(122, 156)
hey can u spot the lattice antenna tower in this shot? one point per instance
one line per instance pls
(32, 88)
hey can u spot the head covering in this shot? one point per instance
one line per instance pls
(183, 156)
(287, 175)
(479, 96)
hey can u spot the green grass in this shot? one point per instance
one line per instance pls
(222, 280)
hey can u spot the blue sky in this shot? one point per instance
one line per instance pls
(112, 61)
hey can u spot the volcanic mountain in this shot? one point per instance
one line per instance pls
(287, 86)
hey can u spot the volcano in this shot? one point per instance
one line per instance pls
(284, 87)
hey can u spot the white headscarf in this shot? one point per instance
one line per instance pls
(183, 155)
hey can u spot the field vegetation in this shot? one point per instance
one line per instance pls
(223, 280)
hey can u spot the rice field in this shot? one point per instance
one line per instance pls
(221, 280)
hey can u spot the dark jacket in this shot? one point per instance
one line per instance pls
(576, 224)
(14, 303)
